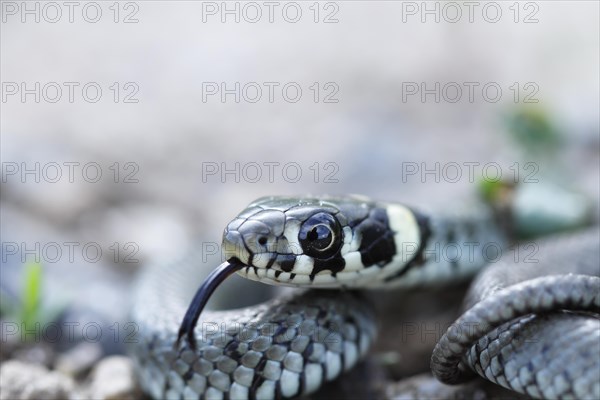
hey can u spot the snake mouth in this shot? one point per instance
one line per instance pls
(216, 277)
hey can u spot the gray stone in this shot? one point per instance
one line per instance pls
(39, 353)
(79, 359)
(19, 380)
(113, 379)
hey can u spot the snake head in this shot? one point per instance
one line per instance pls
(324, 242)
(316, 242)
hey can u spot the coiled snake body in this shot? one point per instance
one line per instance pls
(291, 345)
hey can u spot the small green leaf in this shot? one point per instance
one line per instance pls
(31, 293)
(532, 128)
(490, 189)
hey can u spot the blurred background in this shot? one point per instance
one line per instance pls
(132, 132)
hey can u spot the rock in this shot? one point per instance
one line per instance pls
(113, 379)
(40, 354)
(79, 359)
(24, 381)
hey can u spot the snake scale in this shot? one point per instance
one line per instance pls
(518, 317)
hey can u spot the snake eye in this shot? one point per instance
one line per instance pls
(320, 236)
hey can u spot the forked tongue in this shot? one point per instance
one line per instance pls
(201, 297)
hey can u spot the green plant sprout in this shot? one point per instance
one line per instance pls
(31, 299)
(29, 309)
(533, 130)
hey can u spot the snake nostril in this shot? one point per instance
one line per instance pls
(262, 240)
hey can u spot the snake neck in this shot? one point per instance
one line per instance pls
(452, 246)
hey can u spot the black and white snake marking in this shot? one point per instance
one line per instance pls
(289, 346)
(353, 242)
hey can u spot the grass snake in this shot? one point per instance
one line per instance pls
(291, 345)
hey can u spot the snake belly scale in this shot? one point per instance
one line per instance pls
(291, 345)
